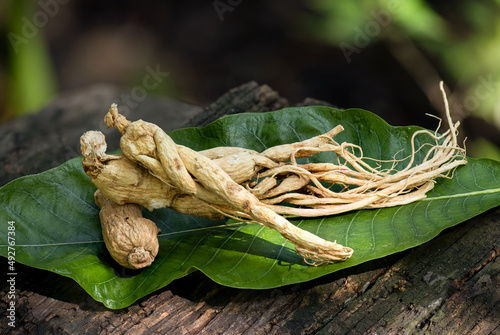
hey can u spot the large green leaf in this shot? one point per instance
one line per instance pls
(57, 226)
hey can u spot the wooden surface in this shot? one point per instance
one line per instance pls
(450, 285)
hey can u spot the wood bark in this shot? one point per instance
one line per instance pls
(450, 285)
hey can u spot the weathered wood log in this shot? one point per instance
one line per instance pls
(450, 285)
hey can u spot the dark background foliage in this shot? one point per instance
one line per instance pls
(383, 56)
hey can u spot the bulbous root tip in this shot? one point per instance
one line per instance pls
(113, 119)
(329, 256)
(140, 258)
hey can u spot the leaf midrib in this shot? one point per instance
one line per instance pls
(462, 195)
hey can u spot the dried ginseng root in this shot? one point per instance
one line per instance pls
(155, 172)
(147, 144)
(130, 239)
(313, 188)
(124, 181)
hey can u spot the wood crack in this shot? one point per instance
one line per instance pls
(458, 283)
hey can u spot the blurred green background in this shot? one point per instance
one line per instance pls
(384, 56)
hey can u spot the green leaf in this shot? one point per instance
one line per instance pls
(57, 226)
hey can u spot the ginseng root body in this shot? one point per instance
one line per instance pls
(155, 172)
(130, 239)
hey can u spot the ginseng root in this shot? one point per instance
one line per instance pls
(136, 141)
(130, 239)
(240, 183)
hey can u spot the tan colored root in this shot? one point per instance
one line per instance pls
(221, 152)
(138, 146)
(120, 179)
(140, 143)
(291, 183)
(263, 187)
(213, 178)
(244, 184)
(363, 185)
(244, 165)
(130, 239)
(307, 148)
